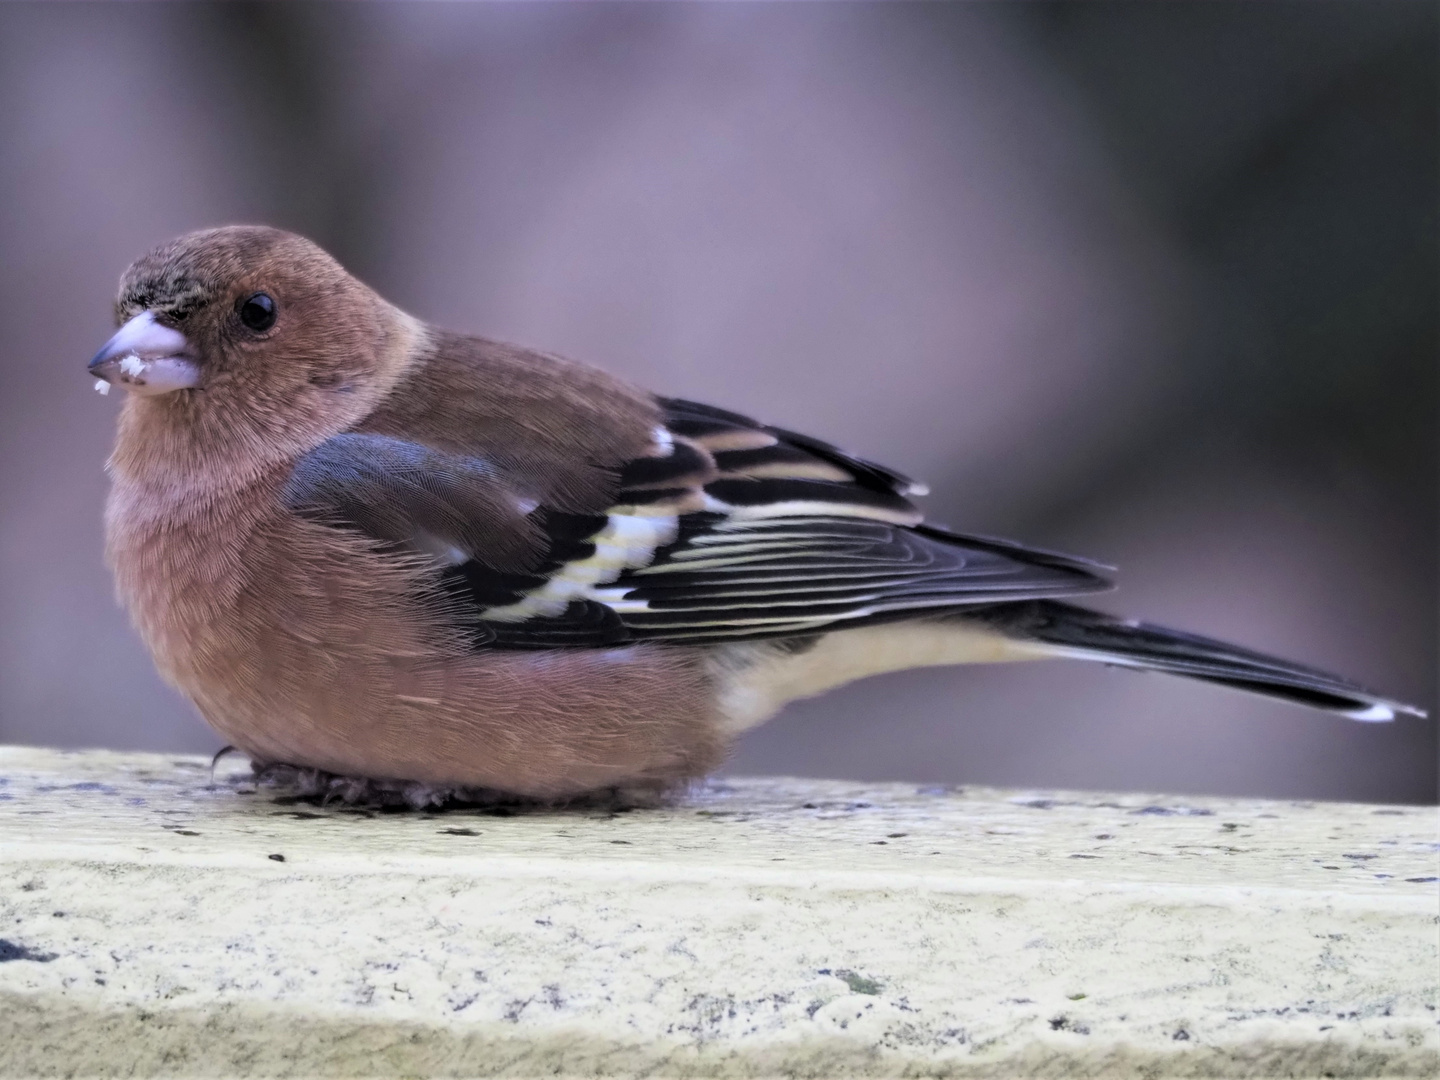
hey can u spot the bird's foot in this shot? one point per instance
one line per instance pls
(323, 788)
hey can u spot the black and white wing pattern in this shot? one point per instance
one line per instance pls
(729, 530)
(737, 530)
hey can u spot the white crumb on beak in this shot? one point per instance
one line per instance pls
(102, 387)
(132, 365)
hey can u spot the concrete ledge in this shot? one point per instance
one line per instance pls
(154, 924)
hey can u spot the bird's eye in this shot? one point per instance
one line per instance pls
(258, 313)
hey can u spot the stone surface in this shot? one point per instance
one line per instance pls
(154, 922)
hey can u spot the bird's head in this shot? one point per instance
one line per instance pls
(248, 340)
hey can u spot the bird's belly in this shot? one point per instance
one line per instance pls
(543, 724)
(306, 646)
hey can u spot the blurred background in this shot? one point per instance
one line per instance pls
(1154, 283)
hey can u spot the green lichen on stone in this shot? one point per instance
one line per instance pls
(859, 984)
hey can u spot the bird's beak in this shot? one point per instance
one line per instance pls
(145, 358)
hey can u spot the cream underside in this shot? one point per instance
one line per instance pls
(755, 679)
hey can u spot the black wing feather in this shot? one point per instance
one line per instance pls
(772, 534)
(696, 420)
(1095, 635)
(823, 573)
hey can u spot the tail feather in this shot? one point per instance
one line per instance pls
(1092, 635)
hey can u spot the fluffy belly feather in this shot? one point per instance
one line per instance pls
(757, 679)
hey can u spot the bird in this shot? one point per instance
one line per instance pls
(386, 552)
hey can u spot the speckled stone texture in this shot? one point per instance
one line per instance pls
(155, 923)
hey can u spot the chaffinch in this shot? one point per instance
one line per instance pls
(368, 546)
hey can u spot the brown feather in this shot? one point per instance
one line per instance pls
(563, 428)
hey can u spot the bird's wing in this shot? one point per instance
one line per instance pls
(450, 506)
(729, 530)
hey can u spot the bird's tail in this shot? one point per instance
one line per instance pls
(1066, 630)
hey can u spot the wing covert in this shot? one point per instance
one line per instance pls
(451, 506)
